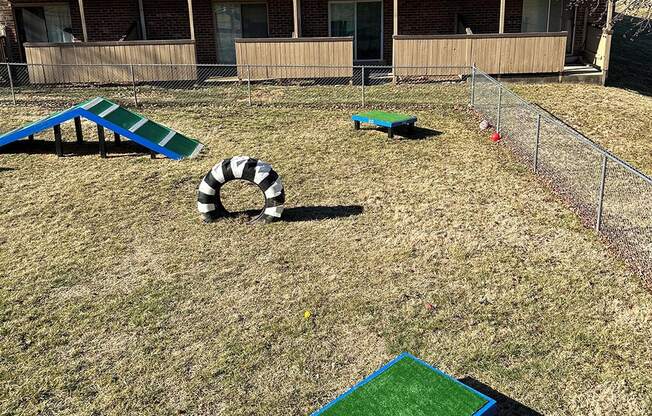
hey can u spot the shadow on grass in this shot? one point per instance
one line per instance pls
(36, 147)
(316, 213)
(312, 213)
(630, 57)
(405, 133)
(506, 405)
(417, 133)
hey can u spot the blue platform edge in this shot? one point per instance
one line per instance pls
(382, 123)
(38, 126)
(489, 409)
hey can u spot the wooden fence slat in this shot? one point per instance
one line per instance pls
(287, 58)
(116, 58)
(517, 53)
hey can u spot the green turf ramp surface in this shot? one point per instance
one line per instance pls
(385, 116)
(174, 142)
(407, 387)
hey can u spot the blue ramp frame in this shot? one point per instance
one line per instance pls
(81, 111)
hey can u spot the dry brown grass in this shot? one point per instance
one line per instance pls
(616, 118)
(117, 299)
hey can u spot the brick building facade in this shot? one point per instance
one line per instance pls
(112, 20)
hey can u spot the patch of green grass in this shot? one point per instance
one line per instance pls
(117, 299)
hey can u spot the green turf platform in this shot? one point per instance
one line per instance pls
(407, 386)
(384, 119)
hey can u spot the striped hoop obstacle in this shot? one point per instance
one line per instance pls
(245, 168)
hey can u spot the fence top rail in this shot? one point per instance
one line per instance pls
(245, 65)
(109, 43)
(559, 123)
(485, 36)
(295, 40)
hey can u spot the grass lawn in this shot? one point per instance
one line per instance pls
(117, 299)
(618, 117)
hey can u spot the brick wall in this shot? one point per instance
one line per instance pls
(206, 48)
(109, 23)
(281, 18)
(580, 29)
(438, 17)
(314, 18)
(7, 20)
(166, 19)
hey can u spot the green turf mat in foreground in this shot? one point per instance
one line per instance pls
(408, 386)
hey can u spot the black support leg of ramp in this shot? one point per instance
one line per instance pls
(116, 138)
(78, 130)
(58, 145)
(30, 137)
(152, 154)
(100, 136)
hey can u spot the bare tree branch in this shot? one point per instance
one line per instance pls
(638, 11)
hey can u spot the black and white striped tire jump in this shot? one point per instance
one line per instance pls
(245, 168)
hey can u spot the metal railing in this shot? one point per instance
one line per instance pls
(608, 194)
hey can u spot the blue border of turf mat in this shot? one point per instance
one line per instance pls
(489, 409)
(381, 123)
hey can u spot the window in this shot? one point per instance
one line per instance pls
(47, 23)
(238, 20)
(364, 21)
(542, 15)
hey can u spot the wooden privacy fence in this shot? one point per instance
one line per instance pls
(111, 62)
(297, 58)
(510, 53)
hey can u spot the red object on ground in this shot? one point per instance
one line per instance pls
(495, 137)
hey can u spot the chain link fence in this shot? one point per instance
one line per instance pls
(228, 85)
(608, 194)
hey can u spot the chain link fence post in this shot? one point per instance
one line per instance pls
(363, 92)
(473, 86)
(249, 83)
(133, 83)
(11, 83)
(500, 103)
(603, 179)
(537, 143)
